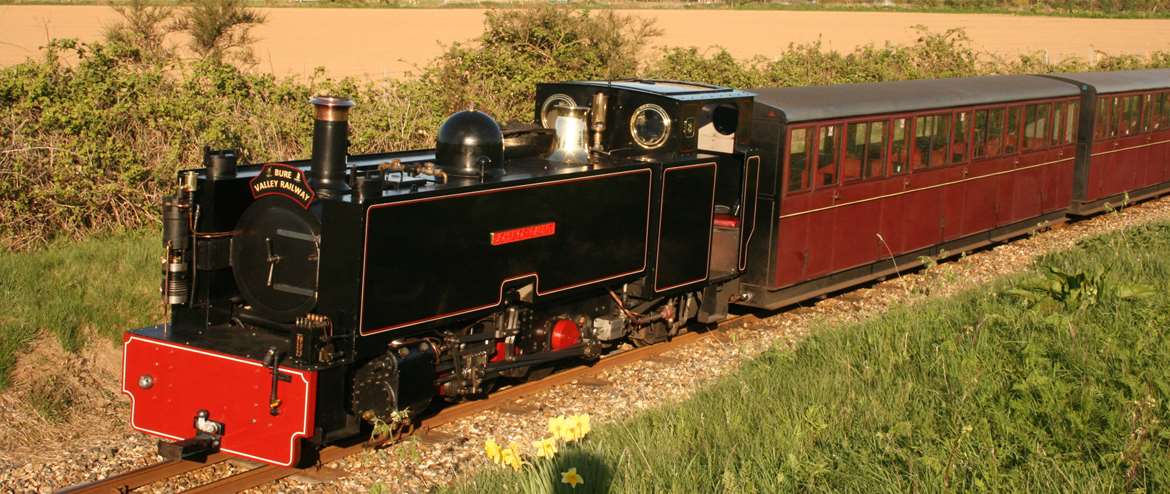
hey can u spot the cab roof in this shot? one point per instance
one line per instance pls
(677, 90)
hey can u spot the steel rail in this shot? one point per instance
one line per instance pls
(133, 479)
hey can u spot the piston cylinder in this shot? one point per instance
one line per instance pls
(330, 145)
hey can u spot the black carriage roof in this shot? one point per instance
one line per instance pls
(1121, 81)
(803, 104)
(679, 90)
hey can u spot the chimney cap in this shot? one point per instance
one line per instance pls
(332, 108)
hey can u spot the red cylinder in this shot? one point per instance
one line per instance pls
(565, 334)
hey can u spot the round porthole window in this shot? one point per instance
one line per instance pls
(650, 126)
(553, 107)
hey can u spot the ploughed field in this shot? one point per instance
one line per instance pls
(377, 43)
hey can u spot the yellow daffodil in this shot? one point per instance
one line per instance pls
(580, 426)
(492, 450)
(511, 456)
(560, 428)
(572, 478)
(546, 448)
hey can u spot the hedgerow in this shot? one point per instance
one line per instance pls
(93, 133)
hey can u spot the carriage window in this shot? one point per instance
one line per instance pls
(1072, 122)
(865, 151)
(875, 151)
(931, 135)
(1131, 112)
(1101, 125)
(1165, 99)
(959, 139)
(1011, 141)
(942, 134)
(1114, 116)
(1163, 111)
(799, 145)
(1035, 125)
(855, 141)
(1055, 135)
(995, 132)
(979, 137)
(827, 156)
(898, 164)
(1148, 115)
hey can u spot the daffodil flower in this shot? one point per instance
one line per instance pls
(581, 426)
(511, 456)
(560, 428)
(546, 448)
(572, 478)
(492, 450)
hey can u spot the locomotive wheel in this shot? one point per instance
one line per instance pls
(656, 332)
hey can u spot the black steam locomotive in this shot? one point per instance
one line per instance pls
(310, 297)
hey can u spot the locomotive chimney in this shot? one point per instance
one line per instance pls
(330, 142)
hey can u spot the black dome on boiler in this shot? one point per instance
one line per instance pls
(470, 143)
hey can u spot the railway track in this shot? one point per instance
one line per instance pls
(266, 474)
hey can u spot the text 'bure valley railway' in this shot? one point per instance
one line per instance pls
(313, 299)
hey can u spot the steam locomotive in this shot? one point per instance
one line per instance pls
(318, 300)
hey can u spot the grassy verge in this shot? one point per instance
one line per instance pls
(1043, 382)
(101, 284)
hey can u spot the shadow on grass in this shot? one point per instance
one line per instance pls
(549, 475)
(596, 474)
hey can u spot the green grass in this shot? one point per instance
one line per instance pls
(105, 284)
(1063, 388)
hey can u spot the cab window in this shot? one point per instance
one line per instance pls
(799, 147)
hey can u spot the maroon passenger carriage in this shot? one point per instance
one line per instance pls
(660, 203)
(863, 179)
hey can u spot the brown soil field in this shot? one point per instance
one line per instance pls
(376, 43)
